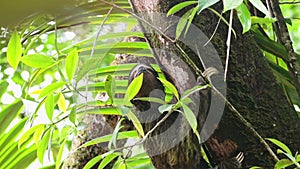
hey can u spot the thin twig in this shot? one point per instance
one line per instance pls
(228, 45)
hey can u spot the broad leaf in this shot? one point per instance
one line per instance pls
(170, 86)
(14, 50)
(62, 105)
(137, 124)
(133, 88)
(3, 87)
(43, 144)
(107, 160)
(244, 17)
(51, 88)
(260, 6)
(180, 6)
(71, 63)
(231, 4)
(203, 4)
(49, 105)
(29, 133)
(110, 87)
(191, 118)
(281, 145)
(37, 60)
(8, 114)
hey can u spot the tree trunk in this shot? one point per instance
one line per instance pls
(251, 87)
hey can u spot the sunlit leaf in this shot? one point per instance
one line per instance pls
(244, 17)
(72, 115)
(43, 144)
(170, 86)
(49, 105)
(281, 145)
(29, 133)
(110, 86)
(282, 163)
(231, 4)
(38, 134)
(107, 160)
(260, 6)
(9, 113)
(51, 88)
(71, 63)
(37, 60)
(62, 105)
(137, 124)
(133, 88)
(180, 6)
(60, 153)
(106, 138)
(92, 162)
(3, 87)
(202, 4)
(14, 50)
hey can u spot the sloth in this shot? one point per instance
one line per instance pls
(149, 116)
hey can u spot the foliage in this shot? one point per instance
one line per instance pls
(47, 59)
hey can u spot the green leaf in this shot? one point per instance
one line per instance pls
(260, 6)
(110, 87)
(14, 50)
(180, 6)
(191, 118)
(231, 4)
(203, 4)
(151, 99)
(62, 105)
(28, 134)
(3, 87)
(60, 152)
(170, 86)
(191, 18)
(106, 138)
(255, 20)
(281, 145)
(72, 115)
(165, 108)
(51, 88)
(9, 113)
(43, 144)
(107, 160)
(38, 133)
(113, 140)
(133, 88)
(71, 63)
(136, 123)
(92, 162)
(182, 23)
(191, 91)
(37, 60)
(244, 17)
(283, 163)
(49, 105)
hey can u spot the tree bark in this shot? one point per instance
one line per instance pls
(251, 87)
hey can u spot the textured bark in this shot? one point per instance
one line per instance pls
(251, 87)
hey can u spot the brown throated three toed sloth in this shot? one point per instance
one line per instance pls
(178, 155)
